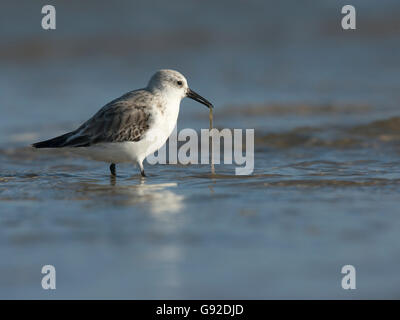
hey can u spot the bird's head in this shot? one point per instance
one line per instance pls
(174, 83)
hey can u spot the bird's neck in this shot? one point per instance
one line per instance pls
(167, 96)
(168, 107)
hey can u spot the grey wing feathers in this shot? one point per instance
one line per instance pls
(117, 124)
(124, 119)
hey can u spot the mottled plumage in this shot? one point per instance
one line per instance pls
(133, 126)
(124, 119)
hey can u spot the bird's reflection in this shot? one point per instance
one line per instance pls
(163, 221)
(113, 180)
(157, 198)
(160, 197)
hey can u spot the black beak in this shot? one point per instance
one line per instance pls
(193, 95)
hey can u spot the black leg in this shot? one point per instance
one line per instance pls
(112, 169)
(140, 163)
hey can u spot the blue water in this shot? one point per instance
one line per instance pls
(324, 192)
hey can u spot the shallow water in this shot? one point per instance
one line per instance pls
(324, 192)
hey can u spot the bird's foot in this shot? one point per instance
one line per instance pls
(112, 169)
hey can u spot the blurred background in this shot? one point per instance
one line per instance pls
(323, 102)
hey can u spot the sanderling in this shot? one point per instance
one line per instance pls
(133, 126)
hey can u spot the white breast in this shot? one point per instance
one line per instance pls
(164, 116)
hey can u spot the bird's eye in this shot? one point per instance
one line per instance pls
(179, 83)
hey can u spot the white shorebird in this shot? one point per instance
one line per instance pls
(133, 126)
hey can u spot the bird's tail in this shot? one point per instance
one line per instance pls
(57, 142)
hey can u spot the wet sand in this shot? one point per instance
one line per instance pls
(307, 210)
